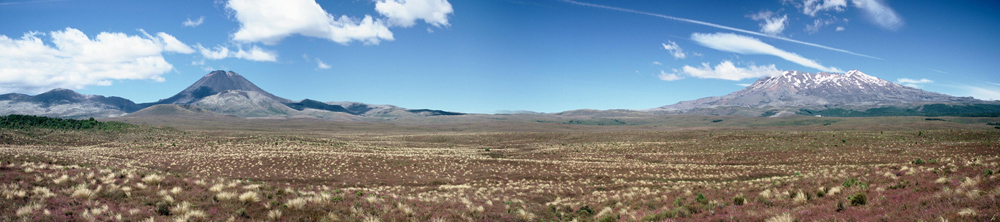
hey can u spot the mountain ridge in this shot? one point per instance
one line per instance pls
(796, 89)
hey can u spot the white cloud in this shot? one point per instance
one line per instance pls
(840, 28)
(880, 14)
(269, 21)
(728, 71)
(674, 49)
(811, 7)
(195, 23)
(171, 44)
(915, 83)
(74, 60)
(743, 84)
(819, 23)
(404, 13)
(321, 65)
(770, 23)
(254, 53)
(709, 24)
(220, 52)
(748, 45)
(656, 63)
(669, 76)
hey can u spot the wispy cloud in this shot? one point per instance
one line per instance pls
(724, 70)
(748, 45)
(674, 49)
(770, 23)
(880, 14)
(915, 83)
(743, 84)
(811, 7)
(717, 26)
(321, 65)
(193, 23)
(254, 53)
(669, 76)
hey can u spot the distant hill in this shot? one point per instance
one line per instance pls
(65, 103)
(218, 93)
(807, 93)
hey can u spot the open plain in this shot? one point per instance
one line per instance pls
(506, 168)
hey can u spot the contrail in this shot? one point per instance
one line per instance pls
(717, 26)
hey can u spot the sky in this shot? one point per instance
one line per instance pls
(493, 56)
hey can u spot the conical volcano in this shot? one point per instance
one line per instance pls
(214, 83)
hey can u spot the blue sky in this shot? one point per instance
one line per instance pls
(487, 56)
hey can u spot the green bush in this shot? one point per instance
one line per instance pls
(739, 200)
(701, 199)
(163, 208)
(859, 199)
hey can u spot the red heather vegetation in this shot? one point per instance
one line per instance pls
(485, 172)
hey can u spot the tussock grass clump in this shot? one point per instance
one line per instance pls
(785, 217)
(274, 214)
(153, 179)
(249, 197)
(967, 212)
(82, 192)
(296, 203)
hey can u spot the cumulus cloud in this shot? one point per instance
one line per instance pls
(193, 23)
(404, 13)
(674, 49)
(915, 83)
(770, 23)
(840, 28)
(748, 45)
(74, 60)
(269, 21)
(728, 71)
(880, 14)
(254, 53)
(811, 7)
(669, 76)
(321, 65)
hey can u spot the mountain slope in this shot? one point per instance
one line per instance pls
(216, 82)
(65, 103)
(852, 90)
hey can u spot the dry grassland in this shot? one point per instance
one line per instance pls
(485, 171)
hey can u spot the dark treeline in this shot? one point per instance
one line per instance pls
(15, 121)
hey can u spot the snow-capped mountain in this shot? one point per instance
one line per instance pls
(853, 89)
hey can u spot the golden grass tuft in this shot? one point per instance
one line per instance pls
(967, 212)
(250, 197)
(224, 196)
(274, 214)
(153, 179)
(785, 217)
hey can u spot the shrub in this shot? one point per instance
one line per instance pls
(585, 211)
(242, 213)
(679, 201)
(988, 172)
(701, 199)
(918, 161)
(163, 208)
(859, 199)
(739, 200)
(840, 206)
